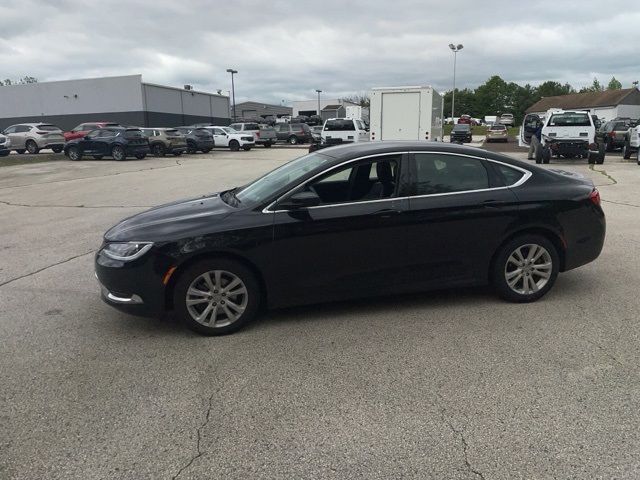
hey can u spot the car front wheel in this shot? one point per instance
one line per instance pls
(217, 296)
(32, 147)
(525, 268)
(74, 153)
(234, 145)
(118, 153)
(293, 140)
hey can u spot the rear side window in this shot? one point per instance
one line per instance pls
(251, 126)
(48, 128)
(236, 126)
(133, 133)
(510, 175)
(438, 173)
(339, 126)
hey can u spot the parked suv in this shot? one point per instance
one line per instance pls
(344, 130)
(293, 133)
(5, 143)
(33, 137)
(262, 134)
(84, 128)
(198, 139)
(613, 133)
(165, 140)
(227, 137)
(507, 119)
(116, 142)
(461, 133)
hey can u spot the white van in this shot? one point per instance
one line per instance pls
(344, 130)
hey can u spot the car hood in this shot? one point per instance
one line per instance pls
(171, 221)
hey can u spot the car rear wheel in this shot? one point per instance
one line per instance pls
(525, 268)
(192, 147)
(546, 155)
(234, 145)
(268, 145)
(118, 153)
(140, 156)
(74, 153)
(56, 149)
(293, 140)
(21, 151)
(217, 296)
(32, 147)
(626, 150)
(177, 154)
(205, 150)
(158, 150)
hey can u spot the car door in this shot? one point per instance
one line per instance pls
(19, 137)
(220, 138)
(10, 132)
(103, 142)
(282, 131)
(459, 210)
(529, 127)
(88, 142)
(354, 242)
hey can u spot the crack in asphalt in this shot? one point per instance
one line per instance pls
(11, 204)
(603, 172)
(177, 164)
(199, 452)
(605, 352)
(621, 203)
(45, 268)
(463, 440)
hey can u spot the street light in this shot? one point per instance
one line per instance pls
(319, 92)
(233, 91)
(455, 49)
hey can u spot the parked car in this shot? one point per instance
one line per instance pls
(116, 142)
(344, 130)
(631, 143)
(293, 133)
(262, 134)
(497, 133)
(613, 133)
(316, 133)
(165, 140)
(84, 128)
(465, 120)
(227, 137)
(33, 137)
(507, 119)
(363, 227)
(198, 139)
(461, 133)
(5, 145)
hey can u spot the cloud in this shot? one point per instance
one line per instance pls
(284, 50)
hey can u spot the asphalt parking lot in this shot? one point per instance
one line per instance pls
(454, 384)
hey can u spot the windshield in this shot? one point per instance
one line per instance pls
(229, 130)
(339, 125)
(569, 119)
(462, 127)
(265, 187)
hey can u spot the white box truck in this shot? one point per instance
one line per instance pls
(406, 113)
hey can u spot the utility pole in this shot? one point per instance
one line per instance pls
(233, 91)
(455, 49)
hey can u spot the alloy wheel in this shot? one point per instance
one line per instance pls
(528, 269)
(217, 298)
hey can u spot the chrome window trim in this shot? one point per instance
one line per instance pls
(525, 177)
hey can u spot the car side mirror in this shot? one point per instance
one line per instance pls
(300, 200)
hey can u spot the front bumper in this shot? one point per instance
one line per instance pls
(460, 138)
(576, 147)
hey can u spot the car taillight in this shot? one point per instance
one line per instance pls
(595, 196)
(42, 133)
(257, 134)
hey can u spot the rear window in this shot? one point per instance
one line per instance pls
(133, 133)
(48, 128)
(251, 126)
(569, 120)
(498, 127)
(339, 125)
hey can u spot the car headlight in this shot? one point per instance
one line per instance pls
(126, 251)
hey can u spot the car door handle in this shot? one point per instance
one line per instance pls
(493, 204)
(387, 213)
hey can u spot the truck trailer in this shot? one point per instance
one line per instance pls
(406, 113)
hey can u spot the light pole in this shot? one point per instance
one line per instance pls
(455, 49)
(319, 92)
(233, 91)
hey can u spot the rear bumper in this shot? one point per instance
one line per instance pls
(585, 245)
(263, 141)
(133, 150)
(570, 146)
(52, 144)
(202, 144)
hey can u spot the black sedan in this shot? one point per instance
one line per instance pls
(116, 142)
(461, 133)
(357, 220)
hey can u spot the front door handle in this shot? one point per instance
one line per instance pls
(387, 213)
(493, 204)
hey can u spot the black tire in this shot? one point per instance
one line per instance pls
(607, 145)
(268, 145)
(626, 150)
(246, 148)
(57, 149)
(21, 151)
(537, 154)
(177, 154)
(192, 147)
(293, 140)
(188, 276)
(97, 157)
(118, 153)
(205, 150)
(601, 154)
(158, 150)
(546, 154)
(32, 147)
(74, 153)
(140, 156)
(234, 146)
(501, 268)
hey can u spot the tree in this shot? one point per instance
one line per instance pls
(614, 84)
(552, 89)
(595, 87)
(465, 104)
(362, 100)
(22, 81)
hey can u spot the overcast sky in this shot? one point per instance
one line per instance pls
(284, 50)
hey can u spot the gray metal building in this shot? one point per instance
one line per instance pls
(256, 109)
(125, 99)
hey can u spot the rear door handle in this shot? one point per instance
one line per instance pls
(493, 204)
(387, 213)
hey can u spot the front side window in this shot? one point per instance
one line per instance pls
(440, 173)
(95, 133)
(23, 128)
(218, 131)
(10, 130)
